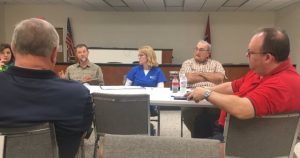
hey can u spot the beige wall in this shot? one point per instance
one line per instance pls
(232, 32)
(289, 19)
(179, 31)
(2, 36)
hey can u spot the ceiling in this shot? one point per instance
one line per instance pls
(166, 5)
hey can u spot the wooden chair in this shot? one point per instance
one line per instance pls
(120, 114)
(268, 136)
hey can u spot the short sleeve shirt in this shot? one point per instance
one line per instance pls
(153, 77)
(190, 66)
(277, 92)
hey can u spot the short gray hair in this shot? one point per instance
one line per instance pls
(206, 43)
(34, 36)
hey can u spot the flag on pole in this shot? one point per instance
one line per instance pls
(207, 31)
(69, 42)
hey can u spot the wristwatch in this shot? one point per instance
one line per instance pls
(207, 93)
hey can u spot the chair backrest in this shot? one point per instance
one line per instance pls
(121, 113)
(33, 141)
(137, 146)
(268, 136)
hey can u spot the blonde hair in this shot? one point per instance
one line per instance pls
(151, 57)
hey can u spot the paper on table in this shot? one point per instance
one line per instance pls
(179, 94)
(120, 87)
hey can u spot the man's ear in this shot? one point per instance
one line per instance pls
(53, 55)
(269, 58)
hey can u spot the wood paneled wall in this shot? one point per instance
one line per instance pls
(114, 73)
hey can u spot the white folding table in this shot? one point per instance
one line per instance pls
(158, 97)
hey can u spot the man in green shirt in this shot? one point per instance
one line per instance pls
(83, 71)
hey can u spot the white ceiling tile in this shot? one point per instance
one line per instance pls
(81, 4)
(210, 5)
(136, 5)
(100, 5)
(270, 5)
(164, 5)
(174, 3)
(154, 3)
(116, 3)
(251, 5)
(193, 5)
(285, 4)
(234, 3)
(97, 2)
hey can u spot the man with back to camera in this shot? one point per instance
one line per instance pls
(38, 94)
(201, 71)
(271, 86)
(83, 71)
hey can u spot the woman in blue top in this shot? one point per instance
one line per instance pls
(6, 57)
(147, 73)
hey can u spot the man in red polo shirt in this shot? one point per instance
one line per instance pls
(271, 86)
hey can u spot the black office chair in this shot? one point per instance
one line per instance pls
(30, 142)
(120, 114)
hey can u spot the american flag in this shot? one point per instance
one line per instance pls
(69, 42)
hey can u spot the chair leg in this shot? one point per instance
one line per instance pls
(181, 123)
(96, 146)
(158, 121)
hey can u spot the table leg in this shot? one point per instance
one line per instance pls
(158, 121)
(181, 123)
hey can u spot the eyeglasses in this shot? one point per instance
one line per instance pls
(200, 50)
(250, 52)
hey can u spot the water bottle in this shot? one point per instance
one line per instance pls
(183, 83)
(175, 84)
